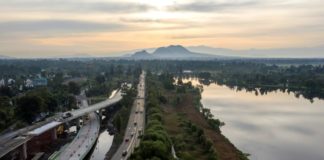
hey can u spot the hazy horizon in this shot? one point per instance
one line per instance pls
(312, 52)
(55, 28)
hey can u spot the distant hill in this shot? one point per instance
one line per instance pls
(6, 57)
(142, 55)
(71, 56)
(310, 52)
(172, 52)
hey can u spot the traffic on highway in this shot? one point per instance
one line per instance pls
(136, 124)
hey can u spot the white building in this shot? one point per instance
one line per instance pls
(187, 71)
(29, 83)
(2, 82)
(11, 81)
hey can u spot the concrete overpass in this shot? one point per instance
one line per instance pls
(16, 139)
(86, 137)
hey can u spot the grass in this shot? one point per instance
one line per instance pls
(180, 136)
(186, 110)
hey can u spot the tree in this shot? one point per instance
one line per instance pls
(180, 82)
(28, 107)
(50, 103)
(74, 88)
(118, 122)
(71, 102)
(100, 79)
(6, 91)
(5, 112)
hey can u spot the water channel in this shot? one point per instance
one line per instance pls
(275, 126)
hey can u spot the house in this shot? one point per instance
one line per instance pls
(40, 82)
(29, 83)
(187, 71)
(2, 82)
(11, 81)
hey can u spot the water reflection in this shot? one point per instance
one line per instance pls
(103, 145)
(105, 140)
(275, 126)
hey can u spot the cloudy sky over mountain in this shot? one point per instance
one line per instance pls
(99, 27)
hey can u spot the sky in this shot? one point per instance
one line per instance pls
(48, 28)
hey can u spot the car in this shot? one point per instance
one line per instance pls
(67, 115)
(124, 153)
(126, 140)
(132, 134)
(136, 112)
(135, 123)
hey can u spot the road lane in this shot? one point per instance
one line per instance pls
(85, 138)
(135, 124)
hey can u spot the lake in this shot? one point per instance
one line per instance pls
(276, 126)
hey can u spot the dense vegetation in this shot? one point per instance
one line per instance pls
(21, 105)
(102, 76)
(260, 76)
(155, 143)
(168, 126)
(34, 105)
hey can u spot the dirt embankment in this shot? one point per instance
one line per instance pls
(224, 148)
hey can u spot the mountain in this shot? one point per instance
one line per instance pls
(141, 55)
(308, 52)
(71, 56)
(171, 52)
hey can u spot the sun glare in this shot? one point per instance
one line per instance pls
(159, 4)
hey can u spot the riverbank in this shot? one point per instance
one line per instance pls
(185, 110)
(177, 123)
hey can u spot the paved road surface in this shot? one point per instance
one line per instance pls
(85, 138)
(133, 130)
(80, 112)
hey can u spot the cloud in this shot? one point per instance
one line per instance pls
(210, 6)
(74, 6)
(55, 26)
(193, 36)
(141, 20)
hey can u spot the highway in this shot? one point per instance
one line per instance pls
(136, 124)
(11, 141)
(92, 108)
(85, 138)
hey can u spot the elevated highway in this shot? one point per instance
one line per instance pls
(13, 140)
(86, 137)
(84, 140)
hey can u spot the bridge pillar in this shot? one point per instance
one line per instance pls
(100, 114)
(54, 134)
(23, 151)
(84, 118)
(78, 126)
